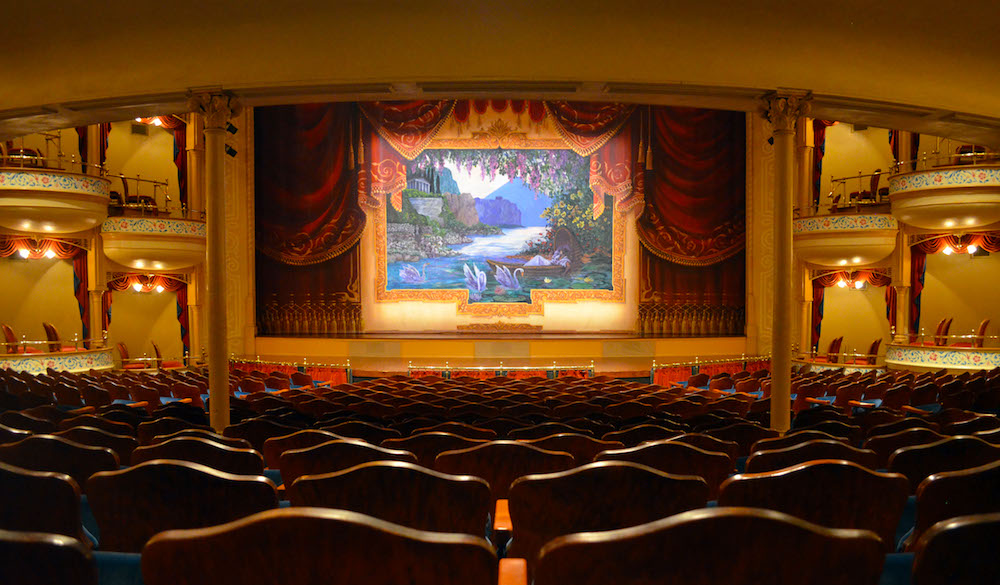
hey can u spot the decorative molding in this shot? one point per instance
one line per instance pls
(217, 108)
(845, 222)
(944, 179)
(783, 110)
(54, 181)
(909, 356)
(760, 240)
(150, 225)
(499, 327)
(75, 361)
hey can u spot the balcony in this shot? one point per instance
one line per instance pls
(840, 240)
(37, 196)
(950, 193)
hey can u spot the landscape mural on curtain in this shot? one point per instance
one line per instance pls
(498, 223)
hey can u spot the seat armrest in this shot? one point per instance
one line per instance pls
(816, 401)
(82, 410)
(513, 572)
(914, 410)
(501, 519)
(860, 404)
(139, 404)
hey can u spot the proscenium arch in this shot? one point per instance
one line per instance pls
(865, 62)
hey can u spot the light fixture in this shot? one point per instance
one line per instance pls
(159, 288)
(971, 248)
(856, 259)
(137, 287)
(843, 262)
(948, 250)
(50, 254)
(139, 120)
(157, 121)
(24, 253)
(949, 223)
(842, 283)
(139, 264)
(859, 284)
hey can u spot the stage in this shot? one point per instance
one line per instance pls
(614, 355)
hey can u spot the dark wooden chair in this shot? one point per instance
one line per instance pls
(122, 445)
(853, 434)
(99, 422)
(428, 445)
(962, 551)
(164, 425)
(886, 445)
(832, 493)
(373, 434)
(11, 435)
(275, 446)
(974, 425)
(583, 448)
(333, 456)
(203, 434)
(314, 546)
(677, 459)
(599, 496)
(40, 558)
(165, 364)
(744, 433)
(793, 438)
(131, 505)
(26, 422)
(756, 545)
(402, 493)
(51, 453)
(501, 462)
(543, 430)
(709, 443)
(910, 422)
(205, 452)
(762, 461)
(39, 501)
(950, 454)
(642, 433)
(951, 494)
(257, 430)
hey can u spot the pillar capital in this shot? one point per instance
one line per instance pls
(783, 109)
(216, 107)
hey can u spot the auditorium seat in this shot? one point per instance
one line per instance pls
(951, 494)
(961, 551)
(11, 435)
(853, 434)
(910, 422)
(275, 446)
(205, 452)
(26, 422)
(334, 456)
(370, 433)
(131, 505)
(709, 443)
(164, 425)
(99, 422)
(968, 427)
(599, 496)
(793, 438)
(743, 433)
(583, 448)
(545, 429)
(39, 501)
(886, 445)
(642, 433)
(734, 546)
(122, 445)
(316, 546)
(832, 493)
(403, 493)
(677, 458)
(257, 430)
(203, 434)
(950, 454)
(41, 558)
(761, 461)
(501, 462)
(51, 453)
(428, 445)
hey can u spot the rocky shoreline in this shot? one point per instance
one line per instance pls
(412, 243)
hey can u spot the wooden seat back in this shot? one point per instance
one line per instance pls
(40, 558)
(641, 434)
(950, 454)
(958, 552)
(755, 541)
(501, 462)
(311, 546)
(333, 456)
(773, 460)
(745, 434)
(275, 446)
(606, 495)
(402, 493)
(39, 501)
(122, 445)
(677, 458)
(51, 453)
(164, 425)
(951, 494)
(833, 493)
(257, 430)
(370, 433)
(204, 451)
(428, 445)
(131, 505)
(583, 448)
(886, 445)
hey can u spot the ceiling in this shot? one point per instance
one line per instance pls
(918, 65)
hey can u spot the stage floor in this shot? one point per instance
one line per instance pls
(613, 355)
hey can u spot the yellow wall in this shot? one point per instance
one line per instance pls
(150, 157)
(859, 316)
(961, 287)
(849, 152)
(38, 290)
(138, 318)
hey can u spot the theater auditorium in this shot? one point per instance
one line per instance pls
(446, 292)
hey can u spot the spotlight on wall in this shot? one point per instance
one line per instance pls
(24, 253)
(232, 129)
(231, 151)
(842, 283)
(859, 284)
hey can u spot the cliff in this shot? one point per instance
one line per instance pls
(463, 207)
(499, 212)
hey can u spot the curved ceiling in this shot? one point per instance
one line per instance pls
(920, 62)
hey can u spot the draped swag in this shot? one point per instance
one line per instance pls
(10, 245)
(395, 132)
(693, 227)
(824, 281)
(148, 283)
(308, 220)
(987, 241)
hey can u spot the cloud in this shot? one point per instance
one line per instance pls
(474, 183)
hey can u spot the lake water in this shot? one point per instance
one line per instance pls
(448, 273)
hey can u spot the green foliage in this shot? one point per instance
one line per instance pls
(575, 212)
(449, 224)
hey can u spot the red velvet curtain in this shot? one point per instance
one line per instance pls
(819, 151)
(183, 318)
(304, 181)
(693, 228)
(829, 279)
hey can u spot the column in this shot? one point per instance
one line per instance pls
(216, 108)
(196, 209)
(783, 110)
(93, 149)
(901, 282)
